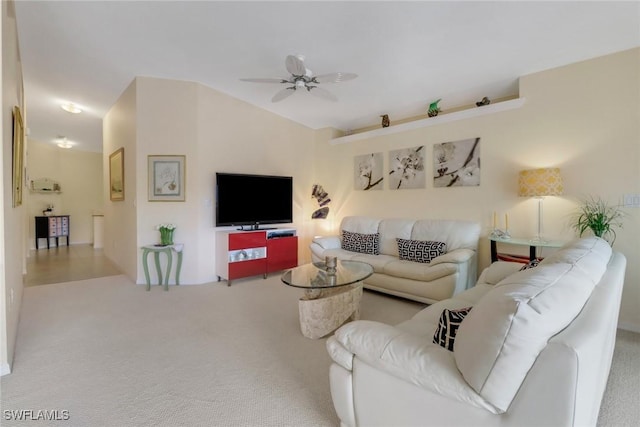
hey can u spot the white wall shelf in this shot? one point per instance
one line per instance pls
(511, 104)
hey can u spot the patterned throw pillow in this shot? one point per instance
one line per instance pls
(448, 325)
(420, 250)
(531, 264)
(362, 243)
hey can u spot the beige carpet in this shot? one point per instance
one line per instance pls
(112, 354)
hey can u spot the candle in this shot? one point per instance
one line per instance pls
(494, 220)
(506, 221)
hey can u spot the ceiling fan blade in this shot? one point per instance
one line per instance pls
(295, 65)
(265, 80)
(334, 77)
(322, 93)
(282, 94)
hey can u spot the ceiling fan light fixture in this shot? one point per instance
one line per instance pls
(70, 107)
(63, 142)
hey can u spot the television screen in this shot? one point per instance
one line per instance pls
(243, 199)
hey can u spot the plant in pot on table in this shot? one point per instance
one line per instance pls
(166, 233)
(601, 218)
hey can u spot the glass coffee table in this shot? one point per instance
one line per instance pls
(330, 298)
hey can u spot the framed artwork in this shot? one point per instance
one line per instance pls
(116, 175)
(166, 178)
(457, 164)
(368, 172)
(18, 157)
(407, 168)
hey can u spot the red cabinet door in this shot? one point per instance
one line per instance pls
(247, 240)
(248, 268)
(282, 253)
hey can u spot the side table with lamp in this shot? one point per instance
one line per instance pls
(536, 183)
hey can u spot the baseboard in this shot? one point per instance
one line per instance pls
(627, 326)
(5, 369)
(72, 243)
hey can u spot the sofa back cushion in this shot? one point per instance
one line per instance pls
(503, 335)
(360, 224)
(392, 229)
(456, 234)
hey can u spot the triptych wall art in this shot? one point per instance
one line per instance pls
(455, 164)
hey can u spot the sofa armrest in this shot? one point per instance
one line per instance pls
(327, 242)
(411, 358)
(456, 256)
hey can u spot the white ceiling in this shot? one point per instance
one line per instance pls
(406, 54)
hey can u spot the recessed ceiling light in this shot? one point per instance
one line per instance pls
(71, 108)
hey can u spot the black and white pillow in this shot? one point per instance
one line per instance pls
(420, 250)
(531, 264)
(448, 325)
(362, 243)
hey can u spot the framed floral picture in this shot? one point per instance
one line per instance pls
(166, 178)
(116, 175)
(457, 163)
(407, 168)
(367, 171)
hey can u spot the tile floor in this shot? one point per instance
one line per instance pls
(66, 264)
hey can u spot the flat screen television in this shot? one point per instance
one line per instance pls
(254, 200)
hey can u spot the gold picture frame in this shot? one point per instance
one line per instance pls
(116, 175)
(166, 178)
(18, 157)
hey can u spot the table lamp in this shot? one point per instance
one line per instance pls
(539, 183)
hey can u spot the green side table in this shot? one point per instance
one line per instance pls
(157, 250)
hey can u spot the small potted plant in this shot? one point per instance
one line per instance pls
(166, 233)
(601, 218)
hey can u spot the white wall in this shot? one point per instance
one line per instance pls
(216, 133)
(120, 221)
(12, 220)
(79, 174)
(583, 118)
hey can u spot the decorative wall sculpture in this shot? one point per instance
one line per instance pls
(323, 200)
(457, 164)
(407, 168)
(368, 172)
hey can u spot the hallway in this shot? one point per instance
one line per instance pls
(66, 264)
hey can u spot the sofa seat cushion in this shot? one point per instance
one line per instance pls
(418, 271)
(409, 357)
(378, 262)
(502, 336)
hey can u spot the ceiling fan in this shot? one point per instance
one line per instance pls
(302, 78)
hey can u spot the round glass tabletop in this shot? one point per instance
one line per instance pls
(316, 276)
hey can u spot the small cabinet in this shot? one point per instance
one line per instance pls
(54, 226)
(252, 253)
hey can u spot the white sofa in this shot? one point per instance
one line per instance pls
(442, 277)
(535, 350)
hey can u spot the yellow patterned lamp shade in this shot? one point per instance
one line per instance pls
(540, 182)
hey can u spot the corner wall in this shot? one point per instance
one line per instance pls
(216, 133)
(120, 222)
(583, 118)
(12, 225)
